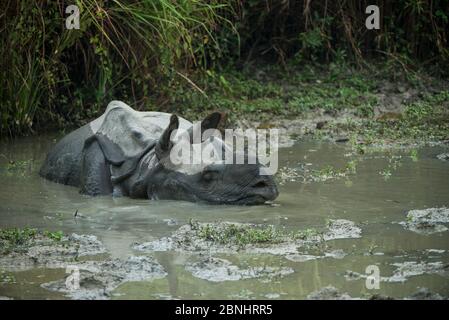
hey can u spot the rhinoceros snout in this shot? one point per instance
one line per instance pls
(265, 187)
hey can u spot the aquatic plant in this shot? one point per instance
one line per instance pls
(54, 235)
(16, 238)
(237, 234)
(242, 235)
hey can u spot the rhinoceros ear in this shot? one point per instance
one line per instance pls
(113, 154)
(111, 151)
(164, 144)
(213, 121)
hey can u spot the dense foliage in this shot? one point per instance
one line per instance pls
(142, 51)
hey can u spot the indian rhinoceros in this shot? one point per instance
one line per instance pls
(125, 152)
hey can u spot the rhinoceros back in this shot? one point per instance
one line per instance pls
(63, 162)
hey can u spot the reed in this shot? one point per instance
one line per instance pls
(124, 49)
(137, 49)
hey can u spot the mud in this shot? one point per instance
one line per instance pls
(425, 294)
(443, 157)
(287, 174)
(306, 243)
(98, 278)
(45, 252)
(342, 229)
(217, 270)
(188, 239)
(332, 293)
(404, 270)
(427, 221)
(272, 296)
(329, 293)
(392, 98)
(335, 254)
(316, 120)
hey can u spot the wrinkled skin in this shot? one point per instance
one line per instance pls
(224, 183)
(127, 153)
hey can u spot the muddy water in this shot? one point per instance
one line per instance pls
(369, 199)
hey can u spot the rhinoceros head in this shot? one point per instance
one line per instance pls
(208, 179)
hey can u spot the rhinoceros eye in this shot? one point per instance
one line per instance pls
(209, 175)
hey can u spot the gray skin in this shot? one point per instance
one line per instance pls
(126, 153)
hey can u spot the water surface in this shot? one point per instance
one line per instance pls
(367, 198)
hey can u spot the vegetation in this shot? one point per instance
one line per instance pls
(236, 234)
(245, 234)
(123, 50)
(193, 56)
(423, 120)
(272, 90)
(54, 235)
(7, 277)
(18, 168)
(330, 172)
(15, 238)
(324, 30)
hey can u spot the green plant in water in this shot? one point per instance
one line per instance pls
(351, 166)
(17, 236)
(54, 235)
(329, 172)
(237, 234)
(7, 277)
(414, 155)
(386, 173)
(306, 234)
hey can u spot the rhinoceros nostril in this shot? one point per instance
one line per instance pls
(260, 184)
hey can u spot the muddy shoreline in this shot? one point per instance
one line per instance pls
(98, 274)
(212, 248)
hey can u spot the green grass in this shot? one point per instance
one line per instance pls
(240, 235)
(181, 56)
(245, 234)
(423, 120)
(329, 172)
(7, 277)
(262, 92)
(414, 155)
(272, 91)
(12, 239)
(306, 234)
(54, 235)
(18, 168)
(16, 236)
(123, 50)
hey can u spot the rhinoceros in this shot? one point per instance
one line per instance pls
(125, 152)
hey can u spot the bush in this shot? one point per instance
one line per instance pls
(140, 51)
(123, 50)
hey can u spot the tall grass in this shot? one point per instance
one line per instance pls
(136, 50)
(323, 30)
(125, 49)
